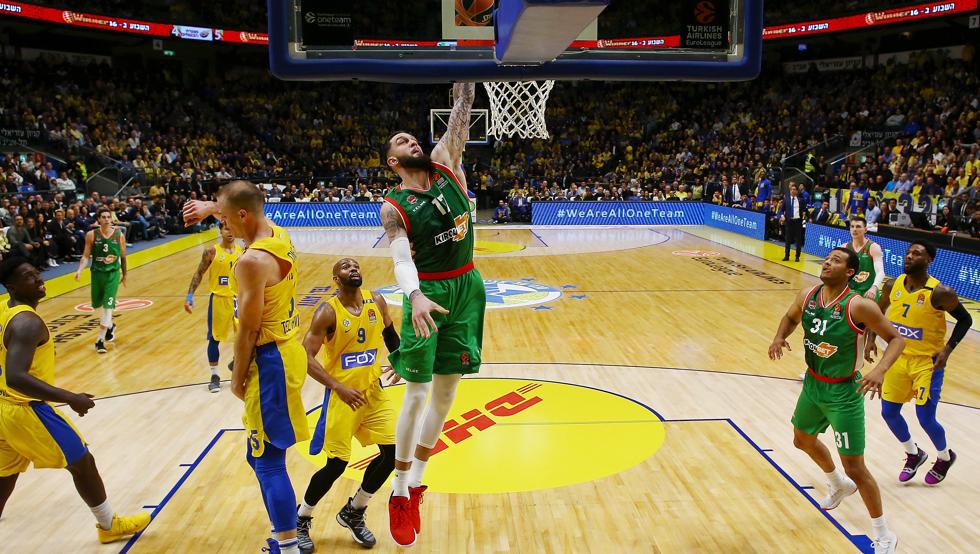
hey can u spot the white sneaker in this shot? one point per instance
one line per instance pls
(886, 543)
(52, 263)
(836, 495)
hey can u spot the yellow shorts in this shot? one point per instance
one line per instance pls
(222, 320)
(912, 377)
(39, 434)
(273, 401)
(373, 423)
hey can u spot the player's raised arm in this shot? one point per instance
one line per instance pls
(787, 325)
(449, 150)
(867, 312)
(196, 211)
(206, 258)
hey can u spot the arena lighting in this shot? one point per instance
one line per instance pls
(857, 22)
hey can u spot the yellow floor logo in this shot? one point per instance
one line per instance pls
(514, 435)
(494, 247)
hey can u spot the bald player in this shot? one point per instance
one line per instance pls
(270, 362)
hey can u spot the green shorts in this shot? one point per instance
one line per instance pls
(105, 284)
(837, 405)
(457, 346)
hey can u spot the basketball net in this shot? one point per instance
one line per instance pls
(517, 108)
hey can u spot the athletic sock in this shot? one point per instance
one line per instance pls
(836, 478)
(910, 447)
(416, 472)
(361, 499)
(943, 454)
(289, 546)
(305, 510)
(399, 485)
(102, 332)
(103, 514)
(878, 526)
(214, 370)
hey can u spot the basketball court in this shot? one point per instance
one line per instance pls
(626, 402)
(650, 418)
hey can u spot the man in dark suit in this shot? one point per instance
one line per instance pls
(791, 216)
(62, 236)
(823, 214)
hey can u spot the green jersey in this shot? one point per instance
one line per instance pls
(865, 276)
(438, 223)
(833, 343)
(105, 251)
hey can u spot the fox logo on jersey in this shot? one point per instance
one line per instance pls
(914, 333)
(359, 359)
(824, 349)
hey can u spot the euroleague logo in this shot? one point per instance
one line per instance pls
(704, 12)
(124, 305)
(500, 294)
(518, 435)
(697, 253)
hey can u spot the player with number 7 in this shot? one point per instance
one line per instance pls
(834, 320)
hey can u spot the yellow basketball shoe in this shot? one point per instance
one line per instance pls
(123, 526)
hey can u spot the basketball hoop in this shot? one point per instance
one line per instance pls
(518, 108)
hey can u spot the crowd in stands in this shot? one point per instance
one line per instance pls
(716, 142)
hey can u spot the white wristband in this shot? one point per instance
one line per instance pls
(406, 275)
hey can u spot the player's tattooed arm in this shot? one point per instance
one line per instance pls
(206, 258)
(322, 328)
(392, 222)
(449, 151)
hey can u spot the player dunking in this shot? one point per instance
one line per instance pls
(916, 304)
(270, 363)
(834, 319)
(107, 248)
(222, 322)
(353, 326)
(31, 430)
(442, 311)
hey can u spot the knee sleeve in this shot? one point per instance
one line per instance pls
(443, 395)
(106, 320)
(406, 429)
(926, 413)
(213, 352)
(891, 412)
(277, 491)
(323, 479)
(379, 469)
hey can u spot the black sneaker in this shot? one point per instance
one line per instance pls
(940, 469)
(215, 384)
(303, 540)
(110, 334)
(100, 347)
(353, 520)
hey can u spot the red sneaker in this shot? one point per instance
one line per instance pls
(400, 520)
(416, 495)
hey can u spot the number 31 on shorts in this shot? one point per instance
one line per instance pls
(842, 440)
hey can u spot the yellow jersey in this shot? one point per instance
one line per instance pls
(42, 366)
(353, 353)
(222, 272)
(280, 318)
(921, 325)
